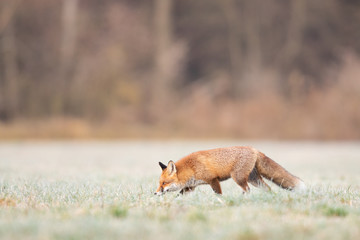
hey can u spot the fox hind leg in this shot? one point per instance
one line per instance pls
(241, 181)
(256, 180)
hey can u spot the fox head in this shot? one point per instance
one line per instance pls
(169, 181)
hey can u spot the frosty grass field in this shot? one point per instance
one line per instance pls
(104, 190)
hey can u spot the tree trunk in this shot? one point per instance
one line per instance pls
(67, 53)
(234, 40)
(10, 92)
(296, 26)
(159, 88)
(69, 33)
(295, 85)
(253, 64)
(163, 34)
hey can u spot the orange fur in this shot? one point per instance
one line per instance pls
(242, 164)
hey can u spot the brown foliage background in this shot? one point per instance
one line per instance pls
(163, 68)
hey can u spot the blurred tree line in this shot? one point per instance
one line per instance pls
(204, 64)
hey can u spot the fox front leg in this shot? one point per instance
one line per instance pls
(215, 185)
(187, 190)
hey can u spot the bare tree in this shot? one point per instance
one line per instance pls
(295, 29)
(295, 82)
(69, 33)
(252, 29)
(160, 87)
(234, 42)
(67, 50)
(10, 89)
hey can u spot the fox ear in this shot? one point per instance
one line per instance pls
(171, 167)
(163, 166)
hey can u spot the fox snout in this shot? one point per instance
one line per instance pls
(159, 192)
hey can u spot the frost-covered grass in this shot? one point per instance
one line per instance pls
(86, 193)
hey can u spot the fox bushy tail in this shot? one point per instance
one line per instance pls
(272, 171)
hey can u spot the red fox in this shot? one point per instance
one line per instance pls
(242, 164)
